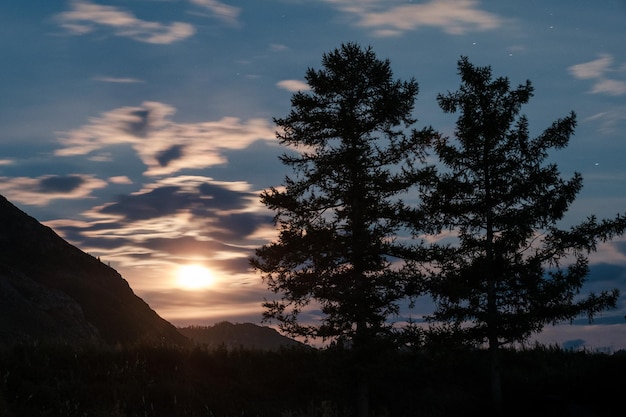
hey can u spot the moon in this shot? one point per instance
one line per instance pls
(194, 277)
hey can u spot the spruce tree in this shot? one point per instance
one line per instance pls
(513, 268)
(337, 214)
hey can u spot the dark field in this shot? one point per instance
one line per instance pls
(165, 381)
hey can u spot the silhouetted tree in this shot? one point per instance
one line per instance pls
(512, 269)
(337, 215)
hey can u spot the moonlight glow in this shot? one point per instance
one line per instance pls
(193, 277)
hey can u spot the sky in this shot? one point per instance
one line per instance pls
(142, 131)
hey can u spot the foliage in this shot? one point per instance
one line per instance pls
(233, 336)
(166, 381)
(338, 213)
(505, 275)
(513, 269)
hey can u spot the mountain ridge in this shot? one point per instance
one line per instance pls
(239, 335)
(52, 290)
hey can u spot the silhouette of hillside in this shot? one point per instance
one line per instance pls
(239, 335)
(51, 290)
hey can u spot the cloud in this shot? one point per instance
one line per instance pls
(120, 179)
(60, 184)
(199, 197)
(606, 276)
(610, 87)
(224, 12)
(597, 71)
(592, 69)
(213, 305)
(293, 85)
(40, 191)
(118, 80)
(85, 17)
(606, 338)
(455, 17)
(163, 145)
(166, 156)
(278, 47)
(610, 120)
(173, 221)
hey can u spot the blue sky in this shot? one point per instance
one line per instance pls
(141, 130)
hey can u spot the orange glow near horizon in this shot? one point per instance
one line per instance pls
(194, 277)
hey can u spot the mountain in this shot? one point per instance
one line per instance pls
(51, 290)
(234, 336)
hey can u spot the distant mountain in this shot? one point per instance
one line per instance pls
(233, 336)
(51, 290)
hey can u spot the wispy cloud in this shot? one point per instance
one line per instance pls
(174, 220)
(293, 85)
(42, 190)
(163, 145)
(592, 69)
(85, 17)
(120, 179)
(119, 80)
(393, 18)
(610, 87)
(599, 71)
(222, 11)
(611, 120)
(278, 47)
(239, 304)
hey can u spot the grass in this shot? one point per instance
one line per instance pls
(145, 380)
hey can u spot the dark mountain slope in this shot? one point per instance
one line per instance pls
(49, 286)
(234, 336)
(29, 310)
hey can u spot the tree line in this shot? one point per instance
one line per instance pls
(161, 380)
(482, 208)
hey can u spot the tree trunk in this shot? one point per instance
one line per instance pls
(496, 383)
(362, 397)
(492, 296)
(361, 370)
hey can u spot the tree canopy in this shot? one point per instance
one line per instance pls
(513, 268)
(337, 214)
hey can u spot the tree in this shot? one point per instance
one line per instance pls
(512, 269)
(337, 215)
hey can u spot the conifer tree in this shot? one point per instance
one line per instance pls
(513, 269)
(338, 213)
